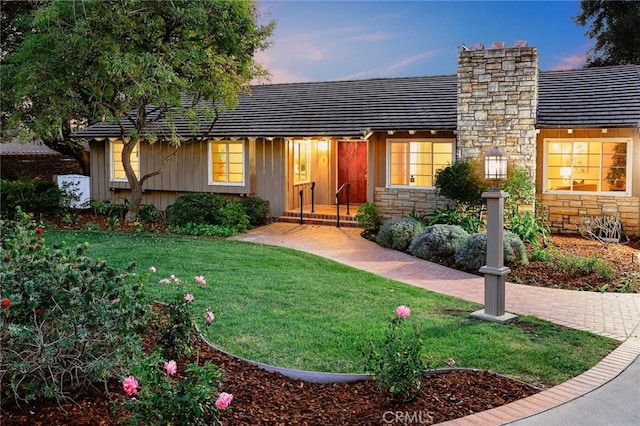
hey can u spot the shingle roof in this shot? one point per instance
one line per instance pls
(590, 97)
(593, 97)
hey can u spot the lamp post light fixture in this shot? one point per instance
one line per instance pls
(495, 170)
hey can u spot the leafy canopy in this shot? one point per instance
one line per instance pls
(135, 63)
(614, 25)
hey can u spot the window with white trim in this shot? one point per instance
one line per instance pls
(415, 162)
(117, 167)
(301, 161)
(226, 162)
(587, 165)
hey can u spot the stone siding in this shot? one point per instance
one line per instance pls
(399, 202)
(565, 211)
(497, 103)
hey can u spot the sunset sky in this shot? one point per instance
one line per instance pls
(318, 40)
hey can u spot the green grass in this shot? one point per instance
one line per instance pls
(297, 310)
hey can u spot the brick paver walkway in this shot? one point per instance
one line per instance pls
(608, 314)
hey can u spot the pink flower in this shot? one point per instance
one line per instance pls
(130, 385)
(171, 367)
(188, 297)
(209, 317)
(153, 269)
(200, 280)
(451, 362)
(116, 300)
(164, 281)
(403, 311)
(224, 400)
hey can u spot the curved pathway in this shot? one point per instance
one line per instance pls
(609, 314)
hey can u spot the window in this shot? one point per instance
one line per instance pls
(226, 162)
(117, 168)
(587, 165)
(415, 162)
(301, 161)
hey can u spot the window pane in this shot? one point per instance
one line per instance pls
(227, 162)
(415, 163)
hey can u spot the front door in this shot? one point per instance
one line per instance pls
(352, 168)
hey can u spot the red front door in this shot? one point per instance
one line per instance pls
(352, 168)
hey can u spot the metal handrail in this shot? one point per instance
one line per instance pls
(313, 198)
(344, 185)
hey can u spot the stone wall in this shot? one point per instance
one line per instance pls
(399, 202)
(497, 102)
(565, 211)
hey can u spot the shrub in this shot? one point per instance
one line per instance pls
(437, 243)
(527, 225)
(520, 187)
(396, 361)
(368, 217)
(197, 208)
(162, 398)
(398, 233)
(33, 196)
(472, 254)
(462, 182)
(467, 217)
(70, 321)
(148, 213)
(233, 216)
(257, 209)
(577, 266)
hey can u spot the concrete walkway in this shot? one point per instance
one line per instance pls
(608, 394)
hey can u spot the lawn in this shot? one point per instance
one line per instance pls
(296, 310)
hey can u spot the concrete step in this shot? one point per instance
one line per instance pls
(319, 219)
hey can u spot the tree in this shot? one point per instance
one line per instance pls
(615, 26)
(139, 64)
(15, 21)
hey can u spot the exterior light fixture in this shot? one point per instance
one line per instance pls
(495, 169)
(390, 132)
(495, 166)
(323, 146)
(412, 132)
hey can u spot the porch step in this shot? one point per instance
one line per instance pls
(346, 221)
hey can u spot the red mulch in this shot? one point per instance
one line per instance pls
(266, 398)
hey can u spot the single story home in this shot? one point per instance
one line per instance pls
(575, 132)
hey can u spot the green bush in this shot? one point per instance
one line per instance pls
(578, 266)
(462, 182)
(472, 254)
(398, 233)
(233, 216)
(257, 209)
(368, 217)
(520, 187)
(530, 227)
(438, 243)
(197, 208)
(68, 321)
(467, 217)
(33, 196)
(148, 213)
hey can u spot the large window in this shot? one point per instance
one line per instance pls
(415, 162)
(587, 165)
(117, 168)
(301, 161)
(226, 162)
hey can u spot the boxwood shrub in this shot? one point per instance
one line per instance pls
(472, 254)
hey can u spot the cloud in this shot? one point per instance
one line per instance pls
(571, 62)
(393, 68)
(378, 36)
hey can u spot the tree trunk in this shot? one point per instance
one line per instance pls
(134, 183)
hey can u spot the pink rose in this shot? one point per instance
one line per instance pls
(171, 367)
(403, 311)
(224, 400)
(200, 280)
(188, 297)
(130, 385)
(209, 317)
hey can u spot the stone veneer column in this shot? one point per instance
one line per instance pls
(497, 102)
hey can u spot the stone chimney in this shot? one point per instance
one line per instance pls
(497, 102)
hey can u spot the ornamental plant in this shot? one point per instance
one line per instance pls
(395, 360)
(160, 392)
(66, 321)
(397, 234)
